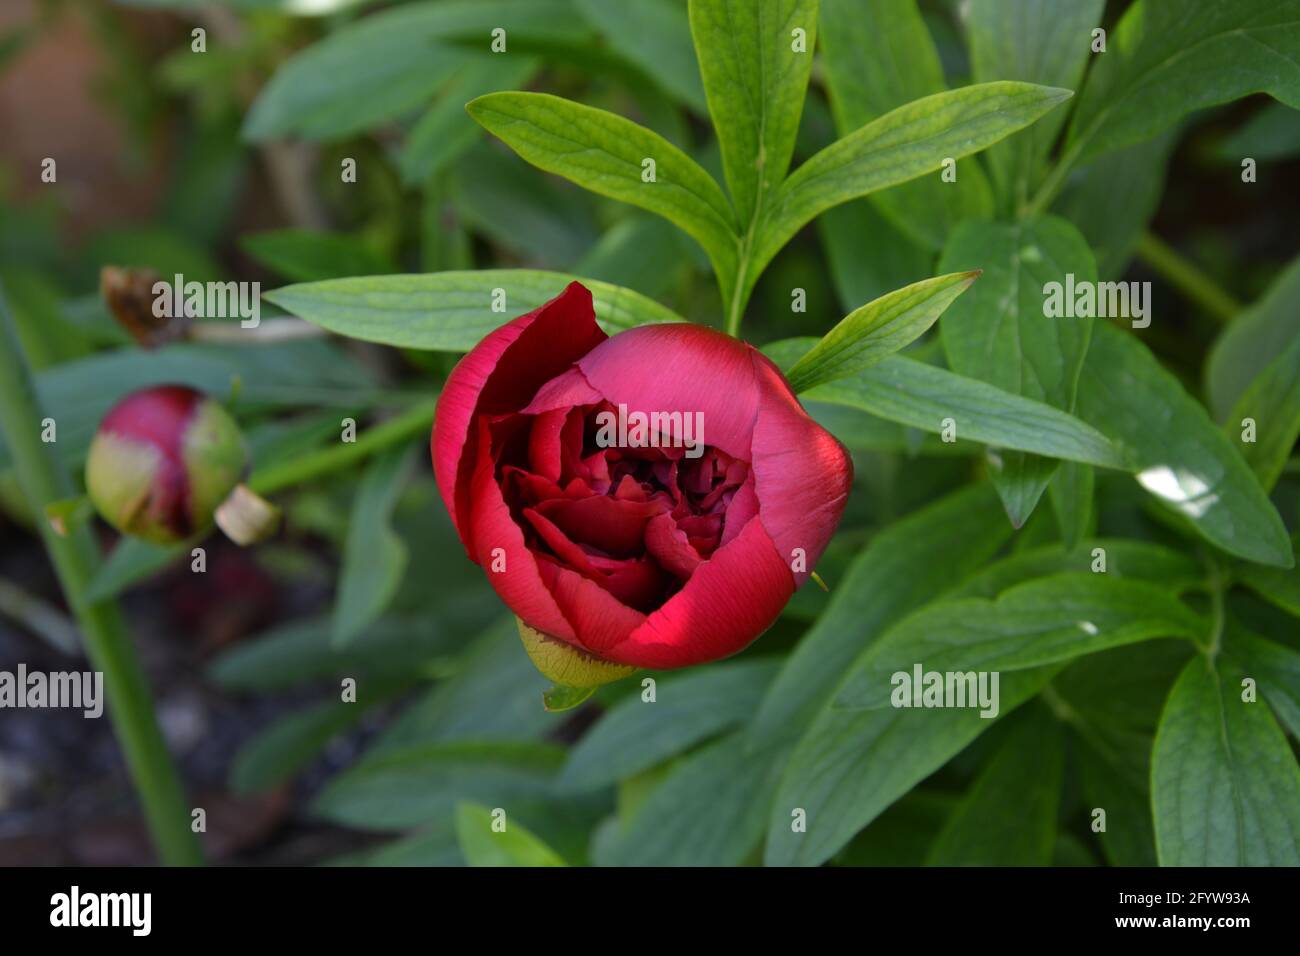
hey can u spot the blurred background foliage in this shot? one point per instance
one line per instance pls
(225, 165)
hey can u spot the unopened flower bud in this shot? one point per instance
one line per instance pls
(162, 462)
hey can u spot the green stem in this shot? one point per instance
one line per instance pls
(399, 428)
(108, 644)
(1187, 278)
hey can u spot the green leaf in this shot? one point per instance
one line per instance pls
(482, 845)
(905, 143)
(1044, 621)
(444, 132)
(289, 744)
(374, 556)
(1253, 340)
(301, 255)
(519, 208)
(908, 564)
(1272, 402)
(1275, 667)
(386, 65)
(878, 329)
(1272, 133)
(851, 765)
(1071, 492)
(1144, 561)
(708, 811)
(1109, 783)
(1113, 199)
(656, 36)
(1008, 817)
(311, 372)
(1280, 586)
(450, 311)
(1165, 60)
(878, 56)
(1001, 334)
(1181, 458)
(1038, 41)
(606, 154)
(867, 256)
(914, 393)
(491, 692)
(636, 735)
(1224, 783)
(409, 787)
(755, 81)
(643, 253)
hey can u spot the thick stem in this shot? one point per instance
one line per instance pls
(1187, 278)
(108, 644)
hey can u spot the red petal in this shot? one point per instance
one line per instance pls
(730, 600)
(501, 374)
(801, 473)
(490, 526)
(679, 367)
(615, 526)
(600, 620)
(667, 544)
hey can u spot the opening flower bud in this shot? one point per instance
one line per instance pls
(163, 460)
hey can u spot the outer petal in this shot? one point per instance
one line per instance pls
(730, 600)
(802, 474)
(681, 368)
(501, 374)
(489, 526)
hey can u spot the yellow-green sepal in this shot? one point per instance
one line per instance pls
(572, 670)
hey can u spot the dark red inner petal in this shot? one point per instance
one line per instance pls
(637, 521)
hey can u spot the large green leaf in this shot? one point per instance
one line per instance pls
(851, 765)
(1043, 621)
(1038, 41)
(1253, 340)
(708, 811)
(1165, 60)
(1181, 458)
(905, 143)
(286, 746)
(879, 56)
(607, 154)
(656, 36)
(385, 65)
(755, 81)
(1000, 333)
(915, 393)
(374, 556)
(909, 563)
(484, 845)
(1008, 817)
(1144, 561)
(635, 735)
(1224, 783)
(450, 311)
(877, 330)
(409, 787)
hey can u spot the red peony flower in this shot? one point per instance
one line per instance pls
(651, 499)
